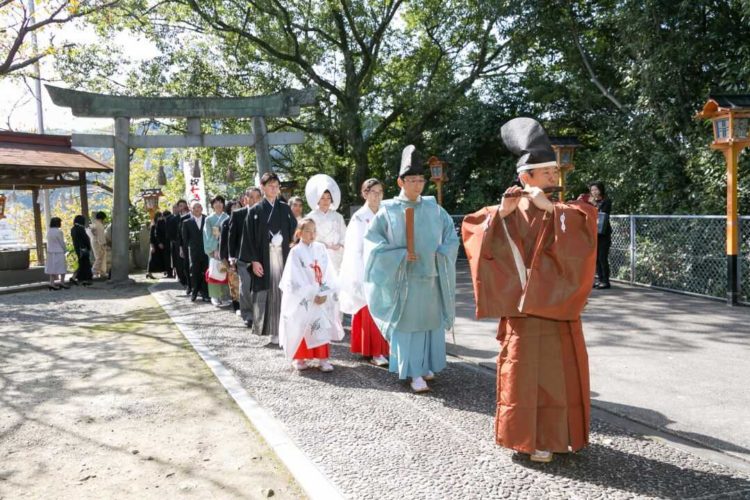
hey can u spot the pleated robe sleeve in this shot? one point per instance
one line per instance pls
(353, 267)
(446, 255)
(385, 275)
(562, 269)
(494, 271)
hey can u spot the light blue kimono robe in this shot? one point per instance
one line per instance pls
(210, 238)
(412, 303)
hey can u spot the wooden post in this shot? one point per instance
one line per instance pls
(121, 204)
(561, 183)
(262, 156)
(732, 153)
(37, 226)
(84, 196)
(410, 253)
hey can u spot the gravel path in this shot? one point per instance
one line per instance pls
(102, 397)
(375, 439)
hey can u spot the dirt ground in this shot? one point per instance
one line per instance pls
(102, 397)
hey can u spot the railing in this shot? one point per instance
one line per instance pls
(681, 253)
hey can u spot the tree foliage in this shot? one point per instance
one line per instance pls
(626, 77)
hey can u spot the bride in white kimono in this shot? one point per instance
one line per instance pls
(324, 196)
(309, 302)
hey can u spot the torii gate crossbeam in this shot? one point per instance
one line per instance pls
(123, 108)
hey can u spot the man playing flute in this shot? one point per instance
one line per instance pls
(532, 262)
(411, 291)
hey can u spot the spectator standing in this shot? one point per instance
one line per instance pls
(602, 202)
(82, 247)
(55, 264)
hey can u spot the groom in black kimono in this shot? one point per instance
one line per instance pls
(269, 230)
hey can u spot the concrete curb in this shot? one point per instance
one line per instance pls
(312, 481)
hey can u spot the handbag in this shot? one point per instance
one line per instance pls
(602, 222)
(217, 270)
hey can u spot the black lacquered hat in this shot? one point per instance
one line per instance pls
(526, 138)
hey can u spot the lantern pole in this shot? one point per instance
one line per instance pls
(731, 154)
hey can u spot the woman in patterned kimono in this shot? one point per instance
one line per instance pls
(218, 289)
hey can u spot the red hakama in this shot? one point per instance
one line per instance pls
(366, 338)
(303, 352)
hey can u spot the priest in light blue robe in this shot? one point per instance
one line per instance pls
(412, 301)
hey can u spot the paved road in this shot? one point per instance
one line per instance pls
(675, 362)
(375, 439)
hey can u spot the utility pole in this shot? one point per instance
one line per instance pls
(39, 109)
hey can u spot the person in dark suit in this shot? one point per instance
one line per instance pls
(183, 250)
(601, 201)
(269, 230)
(192, 238)
(173, 240)
(157, 259)
(236, 228)
(82, 247)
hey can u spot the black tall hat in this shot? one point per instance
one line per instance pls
(526, 138)
(411, 162)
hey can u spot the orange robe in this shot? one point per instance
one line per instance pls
(534, 271)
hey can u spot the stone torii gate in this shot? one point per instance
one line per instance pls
(123, 108)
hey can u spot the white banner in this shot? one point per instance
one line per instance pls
(195, 189)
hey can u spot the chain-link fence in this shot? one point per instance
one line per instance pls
(683, 253)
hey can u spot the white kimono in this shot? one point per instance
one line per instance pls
(331, 230)
(352, 272)
(308, 274)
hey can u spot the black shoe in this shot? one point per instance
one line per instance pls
(73, 282)
(63, 285)
(603, 286)
(595, 285)
(150, 276)
(188, 292)
(206, 299)
(193, 297)
(249, 323)
(50, 287)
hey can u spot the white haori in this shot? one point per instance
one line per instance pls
(308, 274)
(352, 275)
(330, 229)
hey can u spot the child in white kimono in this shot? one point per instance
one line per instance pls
(309, 302)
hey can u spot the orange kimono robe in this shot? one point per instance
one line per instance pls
(534, 271)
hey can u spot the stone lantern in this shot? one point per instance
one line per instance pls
(151, 200)
(564, 148)
(438, 175)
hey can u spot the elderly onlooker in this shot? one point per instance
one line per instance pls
(55, 264)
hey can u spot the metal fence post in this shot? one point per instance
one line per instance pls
(632, 249)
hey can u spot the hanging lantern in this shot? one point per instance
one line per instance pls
(2, 206)
(162, 177)
(241, 159)
(13, 198)
(147, 162)
(213, 161)
(196, 168)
